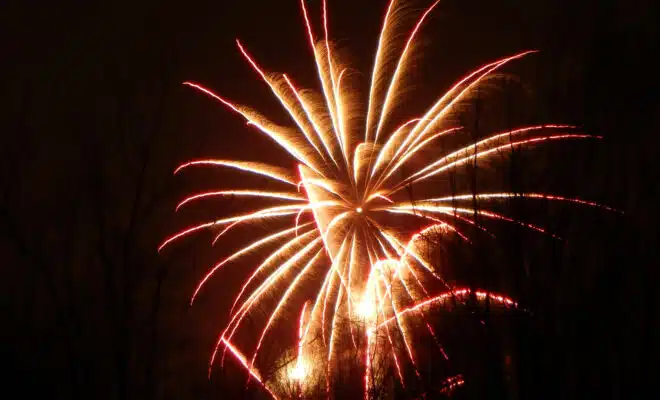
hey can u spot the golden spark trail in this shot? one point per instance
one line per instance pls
(485, 153)
(313, 120)
(382, 40)
(481, 75)
(281, 303)
(448, 295)
(252, 299)
(239, 253)
(335, 112)
(264, 170)
(391, 141)
(247, 193)
(280, 251)
(281, 98)
(392, 169)
(399, 67)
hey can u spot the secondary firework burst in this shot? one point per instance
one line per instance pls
(343, 201)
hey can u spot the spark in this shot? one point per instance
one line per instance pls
(328, 227)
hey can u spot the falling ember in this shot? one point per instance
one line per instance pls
(342, 203)
(450, 384)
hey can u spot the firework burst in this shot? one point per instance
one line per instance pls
(344, 200)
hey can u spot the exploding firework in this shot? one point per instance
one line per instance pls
(344, 202)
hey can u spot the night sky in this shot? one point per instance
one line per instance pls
(94, 120)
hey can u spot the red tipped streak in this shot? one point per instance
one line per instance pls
(284, 298)
(252, 299)
(413, 179)
(259, 169)
(481, 295)
(184, 233)
(266, 262)
(215, 96)
(248, 193)
(313, 120)
(243, 362)
(238, 254)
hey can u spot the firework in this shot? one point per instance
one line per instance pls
(343, 201)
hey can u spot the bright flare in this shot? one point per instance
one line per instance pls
(298, 372)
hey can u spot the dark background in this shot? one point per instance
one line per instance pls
(94, 120)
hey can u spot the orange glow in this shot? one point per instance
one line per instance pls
(336, 244)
